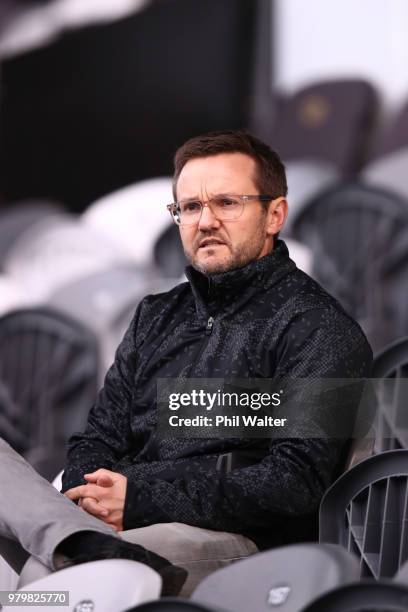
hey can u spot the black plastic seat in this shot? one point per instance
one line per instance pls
(358, 237)
(390, 368)
(329, 121)
(168, 253)
(364, 597)
(392, 360)
(366, 511)
(48, 363)
(173, 605)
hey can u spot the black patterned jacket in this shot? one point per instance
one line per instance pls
(269, 319)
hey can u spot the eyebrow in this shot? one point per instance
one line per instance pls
(222, 193)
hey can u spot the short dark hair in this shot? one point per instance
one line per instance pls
(270, 178)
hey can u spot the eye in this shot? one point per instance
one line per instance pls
(190, 207)
(226, 202)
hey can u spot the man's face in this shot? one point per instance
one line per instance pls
(216, 245)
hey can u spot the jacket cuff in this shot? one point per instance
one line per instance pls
(139, 510)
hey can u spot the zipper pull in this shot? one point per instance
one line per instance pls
(209, 327)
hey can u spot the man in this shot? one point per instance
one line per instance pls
(247, 312)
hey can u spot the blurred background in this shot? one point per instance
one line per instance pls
(96, 96)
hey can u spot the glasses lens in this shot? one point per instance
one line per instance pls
(189, 211)
(227, 207)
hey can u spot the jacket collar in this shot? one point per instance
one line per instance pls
(220, 291)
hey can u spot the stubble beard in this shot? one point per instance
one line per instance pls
(239, 255)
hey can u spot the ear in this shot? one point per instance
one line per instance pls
(277, 213)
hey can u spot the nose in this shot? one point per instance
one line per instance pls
(208, 220)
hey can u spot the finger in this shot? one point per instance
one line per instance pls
(101, 481)
(93, 507)
(73, 494)
(88, 490)
(101, 472)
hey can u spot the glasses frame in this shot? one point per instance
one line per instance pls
(245, 199)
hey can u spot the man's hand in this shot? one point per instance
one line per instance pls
(103, 496)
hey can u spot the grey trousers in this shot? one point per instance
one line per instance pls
(35, 518)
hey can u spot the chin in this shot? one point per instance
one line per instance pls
(213, 267)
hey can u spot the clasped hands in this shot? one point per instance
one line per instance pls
(103, 496)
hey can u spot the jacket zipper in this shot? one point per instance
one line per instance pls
(209, 327)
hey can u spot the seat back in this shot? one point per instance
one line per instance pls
(48, 364)
(168, 253)
(107, 586)
(392, 360)
(364, 597)
(390, 367)
(366, 512)
(352, 231)
(288, 577)
(328, 120)
(133, 217)
(105, 302)
(57, 251)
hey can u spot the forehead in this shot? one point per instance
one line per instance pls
(223, 173)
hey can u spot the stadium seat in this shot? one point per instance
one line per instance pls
(365, 511)
(48, 363)
(390, 368)
(53, 253)
(106, 586)
(12, 295)
(174, 605)
(364, 597)
(329, 121)
(392, 360)
(168, 252)
(105, 302)
(133, 217)
(288, 577)
(358, 238)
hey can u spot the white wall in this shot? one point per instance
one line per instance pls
(319, 39)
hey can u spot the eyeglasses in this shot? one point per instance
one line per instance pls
(224, 207)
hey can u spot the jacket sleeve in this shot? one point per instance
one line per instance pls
(293, 476)
(107, 436)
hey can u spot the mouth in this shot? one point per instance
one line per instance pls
(210, 242)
